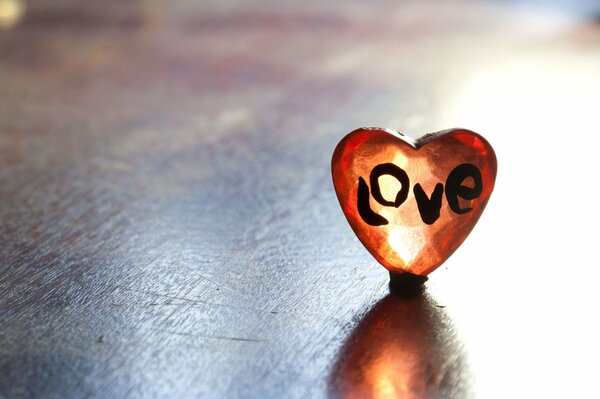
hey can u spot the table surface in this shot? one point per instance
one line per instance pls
(169, 228)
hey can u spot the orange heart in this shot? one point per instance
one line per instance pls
(413, 202)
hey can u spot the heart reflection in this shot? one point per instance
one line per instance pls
(402, 348)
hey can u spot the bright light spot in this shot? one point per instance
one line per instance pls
(525, 96)
(389, 187)
(11, 13)
(385, 381)
(406, 242)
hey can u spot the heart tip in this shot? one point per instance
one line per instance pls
(407, 284)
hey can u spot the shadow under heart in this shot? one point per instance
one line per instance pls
(404, 347)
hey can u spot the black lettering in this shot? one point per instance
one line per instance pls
(455, 189)
(429, 208)
(399, 174)
(364, 209)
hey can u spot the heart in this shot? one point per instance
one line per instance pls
(413, 202)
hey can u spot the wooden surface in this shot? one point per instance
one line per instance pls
(168, 225)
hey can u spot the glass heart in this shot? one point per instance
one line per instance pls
(413, 202)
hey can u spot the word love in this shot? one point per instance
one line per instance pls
(429, 206)
(412, 203)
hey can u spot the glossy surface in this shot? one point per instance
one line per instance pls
(413, 236)
(400, 350)
(168, 226)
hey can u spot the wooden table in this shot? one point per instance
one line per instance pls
(169, 228)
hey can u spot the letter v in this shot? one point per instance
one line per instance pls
(429, 208)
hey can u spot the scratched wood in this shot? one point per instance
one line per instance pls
(168, 226)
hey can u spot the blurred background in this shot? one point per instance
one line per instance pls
(168, 225)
